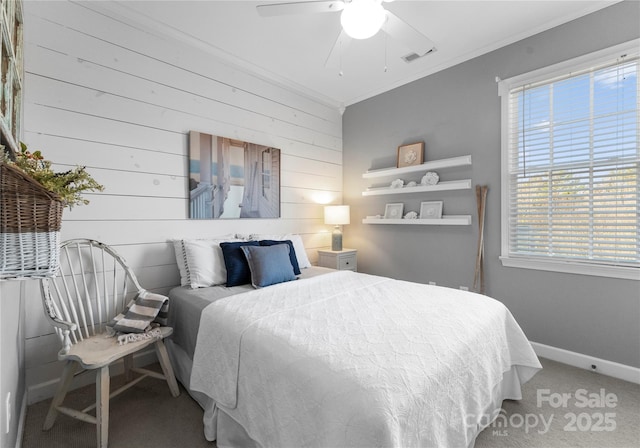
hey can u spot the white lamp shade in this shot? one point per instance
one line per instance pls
(361, 19)
(336, 215)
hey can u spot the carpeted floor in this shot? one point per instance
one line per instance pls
(144, 416)
(147, 416)
(599, 426)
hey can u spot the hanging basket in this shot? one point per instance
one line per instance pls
(30, 217)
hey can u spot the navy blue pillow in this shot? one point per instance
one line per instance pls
(292, 252)
(238, 272)
(269, 264)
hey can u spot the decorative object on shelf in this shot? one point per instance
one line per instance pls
(431, 178)
(411, 154)
(478, 276)
(398, 183)
(411, 215)
(336, 215)
(431, 210)
(412, 184)
(393, 211)
(32, 198)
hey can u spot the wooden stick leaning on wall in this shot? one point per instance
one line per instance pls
(478, 276)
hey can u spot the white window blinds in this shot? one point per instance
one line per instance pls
(572, 167)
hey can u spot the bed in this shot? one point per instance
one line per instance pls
(338, 358)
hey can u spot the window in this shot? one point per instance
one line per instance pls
(570, 166)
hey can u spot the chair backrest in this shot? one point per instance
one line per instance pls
(93, 285)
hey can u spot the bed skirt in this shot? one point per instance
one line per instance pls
(228, 433)
(218, 425)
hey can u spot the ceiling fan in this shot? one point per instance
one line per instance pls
(360, 19)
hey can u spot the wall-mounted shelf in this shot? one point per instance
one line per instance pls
(463, 184)
(427, 166)
(446, 220)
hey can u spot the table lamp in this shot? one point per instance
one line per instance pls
(336, 215)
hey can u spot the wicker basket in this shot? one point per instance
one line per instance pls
(30, 217)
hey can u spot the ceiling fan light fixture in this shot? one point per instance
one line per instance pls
(362, 19)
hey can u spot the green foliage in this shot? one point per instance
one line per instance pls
(69, 185)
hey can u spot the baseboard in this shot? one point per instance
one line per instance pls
(22, 420)
(42, 391)
(609, 368)
(45, 390)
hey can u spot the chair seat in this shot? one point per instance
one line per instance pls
(101, 350)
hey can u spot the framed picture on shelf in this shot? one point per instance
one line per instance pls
(393, 211)
(411, 154)
(431, 210)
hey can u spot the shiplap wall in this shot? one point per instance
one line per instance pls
(121, 100)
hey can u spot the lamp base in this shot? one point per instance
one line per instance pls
(336, 240)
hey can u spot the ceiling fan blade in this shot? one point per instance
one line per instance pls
(338, 49)
(282, 9)
(398, 29)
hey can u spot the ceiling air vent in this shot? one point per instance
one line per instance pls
(413, 56)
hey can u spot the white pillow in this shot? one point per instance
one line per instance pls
(200, 261)
(181, 260)
(298, 246)
(205, 263)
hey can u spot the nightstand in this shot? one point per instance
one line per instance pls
(343, 260)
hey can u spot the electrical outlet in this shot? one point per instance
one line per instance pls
(464, 288)
(432, 283)
(7, 409)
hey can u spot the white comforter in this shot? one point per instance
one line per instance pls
(349, 359)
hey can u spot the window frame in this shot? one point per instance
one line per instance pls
(630, 49)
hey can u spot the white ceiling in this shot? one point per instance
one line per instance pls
(292, 49)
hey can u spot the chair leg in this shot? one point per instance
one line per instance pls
(128, 365)
(167, 370)
(65, 381)
(102, 406)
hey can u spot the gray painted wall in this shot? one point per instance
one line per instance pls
(457, 112)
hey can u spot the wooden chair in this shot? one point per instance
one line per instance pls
(95, 284)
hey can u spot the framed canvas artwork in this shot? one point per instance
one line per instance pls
(232, 179)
